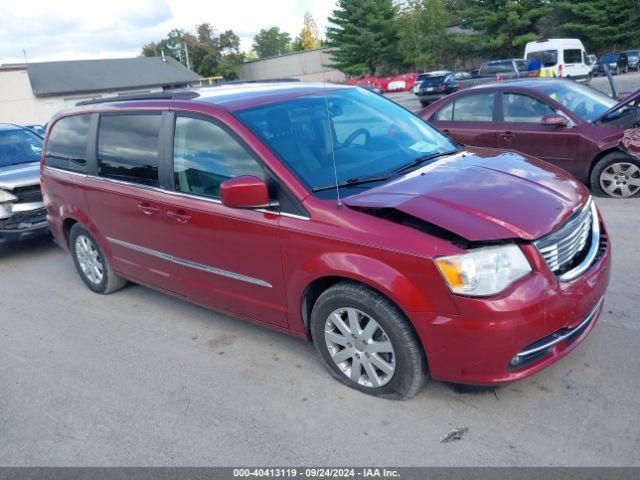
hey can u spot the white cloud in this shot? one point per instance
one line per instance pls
(80, 29)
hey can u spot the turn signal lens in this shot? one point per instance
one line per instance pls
(484, 271)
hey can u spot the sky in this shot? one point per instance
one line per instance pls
(85, 29)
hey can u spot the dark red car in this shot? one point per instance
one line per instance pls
(570, 125)
(333, 214)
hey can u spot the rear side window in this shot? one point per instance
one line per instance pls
(128, 147)
(67, 145)
(205, 155)
(547, 58)
(470, 108)
(573, 56)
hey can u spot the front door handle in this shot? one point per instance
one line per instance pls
(179, 217)
(507, 135)
(446, 131)
(148, 209)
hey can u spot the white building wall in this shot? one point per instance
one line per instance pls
(19, 105)
(309, 66)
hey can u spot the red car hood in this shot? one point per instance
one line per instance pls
(482, 194)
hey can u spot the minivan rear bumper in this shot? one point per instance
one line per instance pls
(481, 344)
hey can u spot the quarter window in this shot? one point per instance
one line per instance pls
(128, 148)
(67, 145)
(517, 108)
(470, 108)
(205, 155)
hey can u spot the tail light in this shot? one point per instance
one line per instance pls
(560, 70)
(499, 78)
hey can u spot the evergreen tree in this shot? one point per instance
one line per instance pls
(505, 26)
(365, 33)
(603, 25)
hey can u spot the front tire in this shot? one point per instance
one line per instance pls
(91, 263)
(367, 343)
(616, 175)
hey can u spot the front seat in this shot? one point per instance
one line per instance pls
(290, 145)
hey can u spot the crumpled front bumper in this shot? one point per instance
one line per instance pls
(24, 226)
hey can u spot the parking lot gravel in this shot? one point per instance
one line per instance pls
(141, 378)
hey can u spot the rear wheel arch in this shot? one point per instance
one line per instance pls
(67, 225)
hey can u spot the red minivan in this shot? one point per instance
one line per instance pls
(333, 214)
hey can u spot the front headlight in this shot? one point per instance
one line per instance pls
(484, 271)
(6, 197)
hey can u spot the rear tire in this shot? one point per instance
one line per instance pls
(387, 353)
(91, 263)
(616, 175)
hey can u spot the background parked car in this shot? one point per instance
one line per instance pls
(564, 57)
(493, 70)
(420, 78)
(22, 213)
(633, 59)
(617, 63)
(440, 84)
(402, 83)
(563, 122)
(39, 129)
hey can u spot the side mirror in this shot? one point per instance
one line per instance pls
(244, 192)
(555, 120)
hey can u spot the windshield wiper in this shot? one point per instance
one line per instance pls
(420, 160)
(352, 182)
(385, 176)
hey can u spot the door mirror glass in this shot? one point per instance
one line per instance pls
(555, 120)
(244, 192)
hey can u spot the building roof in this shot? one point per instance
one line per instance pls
(83, 76)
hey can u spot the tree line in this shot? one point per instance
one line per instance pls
(210, 53)
(379, 37)
(384, 36)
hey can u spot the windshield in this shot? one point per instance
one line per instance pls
(368, 134)
(19, 145)
(582, 101)
(505, 66)
(609, 58)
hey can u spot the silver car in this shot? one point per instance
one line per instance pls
(22, 212)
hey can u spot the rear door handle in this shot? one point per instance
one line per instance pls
(507, 135)
(179, 217)
(148, 209)
(446, 131)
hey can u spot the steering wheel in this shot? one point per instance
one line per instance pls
(360, 131)
(580, 109)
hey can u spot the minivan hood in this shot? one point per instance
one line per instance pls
(482, 194)
(22, 175)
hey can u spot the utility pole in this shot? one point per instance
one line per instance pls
(186, 52)
(24, 52)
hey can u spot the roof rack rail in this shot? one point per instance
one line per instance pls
(266, 80)
(185, 95)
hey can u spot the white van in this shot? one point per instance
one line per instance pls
(565, 57)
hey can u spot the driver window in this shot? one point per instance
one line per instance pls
(518, 108)
(204, 156)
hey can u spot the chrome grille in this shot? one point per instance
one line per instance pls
(574, 245)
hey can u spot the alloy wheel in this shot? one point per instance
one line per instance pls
(89, 259)
(620, 180)
(360, 347)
